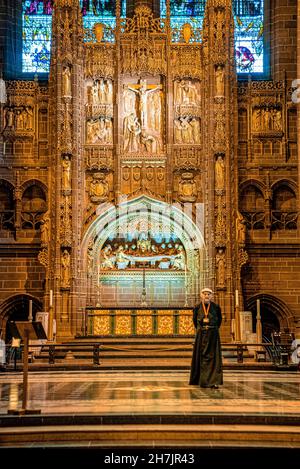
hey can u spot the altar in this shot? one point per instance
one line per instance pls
(111, 322)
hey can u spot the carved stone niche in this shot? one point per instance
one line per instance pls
(267, 120)
(19, 121)
(99, 188)
(99, 93)
(187, 188)
(143, 111)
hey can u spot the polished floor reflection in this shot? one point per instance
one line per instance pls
(156, 393)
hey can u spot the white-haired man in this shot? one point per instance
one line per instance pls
(206, 368)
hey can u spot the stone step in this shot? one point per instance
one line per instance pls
(153, 435)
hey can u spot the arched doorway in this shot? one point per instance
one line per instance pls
(16, 308)
(143, 244)
(274, 314)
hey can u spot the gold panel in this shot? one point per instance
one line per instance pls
(144, 322)
(123, 322)
(101, 325)
(165, 322)
(186, 326)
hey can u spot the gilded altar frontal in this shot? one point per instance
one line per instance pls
(148, 149)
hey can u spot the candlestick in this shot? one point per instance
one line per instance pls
(51, 298)
(258, 324)
(236, 298)
(185, 286)
(30, 311)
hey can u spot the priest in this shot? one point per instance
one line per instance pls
(206, 369)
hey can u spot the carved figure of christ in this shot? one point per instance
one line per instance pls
(142, 90)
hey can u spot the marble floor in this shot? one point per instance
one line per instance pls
(92, 418)
(153, 393)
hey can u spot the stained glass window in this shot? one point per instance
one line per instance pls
(100, 11)
(249, 35)
(37, 22)
(248, 16)
(184, 11)
(249, 28)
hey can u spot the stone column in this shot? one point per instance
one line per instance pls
(298, 104)
(283, 38)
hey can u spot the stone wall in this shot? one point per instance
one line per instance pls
(263, 159)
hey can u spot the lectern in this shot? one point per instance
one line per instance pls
(26, 330)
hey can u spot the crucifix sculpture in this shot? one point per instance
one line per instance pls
(142, 90)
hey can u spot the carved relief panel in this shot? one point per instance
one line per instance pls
(266, 119)
(187, 111)
(99, 112)
(187, 186)
(143, 177)
(19, 120)
(99, 185)
(143, 105)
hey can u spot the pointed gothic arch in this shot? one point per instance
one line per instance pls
(270, 306)
(16, 308)
(148, 212)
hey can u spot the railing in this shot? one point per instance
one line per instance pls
(284, 220)
(95, 348)
(279, 355)
(31, 220)
(255, 220)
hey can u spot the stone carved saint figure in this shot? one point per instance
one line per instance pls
(266, 119)
(132, 131)
(108, 258)
(66, 173)
(219, 173)
(186, 93)
(220, 81)
(19, 120)
(28, 118)
(155, 110)
(45, 229)
(178, 261)
(256, 123)
(220, 264)
(277, 122)
(148, 142)
(109, 92)
(177, 131)
(195, 124)
(186, 130)
(65, 269)
(10, 118)
(95, 95)
(67, 82)
(240, 229)
(128, 99)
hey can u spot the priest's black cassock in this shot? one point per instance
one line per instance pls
(206, 369)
